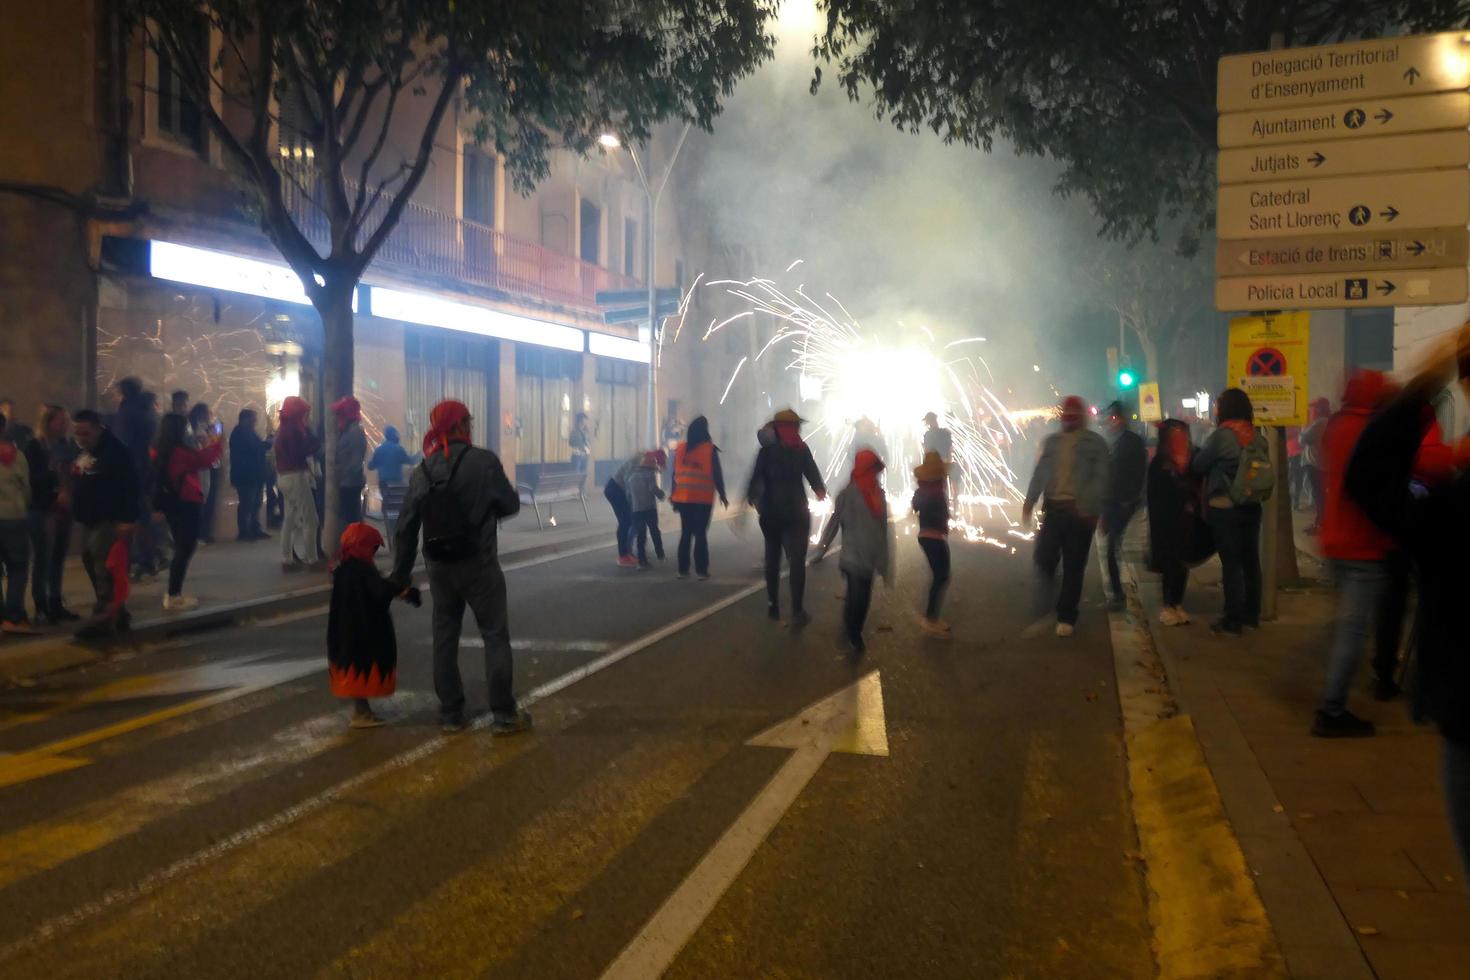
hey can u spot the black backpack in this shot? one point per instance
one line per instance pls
(448, 533)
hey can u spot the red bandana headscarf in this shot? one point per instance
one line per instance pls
(1074, 413)
(443, 420)
(360, 542)
(347, 410)
(789, 434)
(865, 469)
(294, 411)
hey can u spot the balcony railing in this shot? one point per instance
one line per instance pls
(431, 242)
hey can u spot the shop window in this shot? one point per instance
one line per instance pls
(546, 382)
(441, 365)
(618, 410)
(179, 114)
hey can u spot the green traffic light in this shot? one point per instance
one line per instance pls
(1126, 379)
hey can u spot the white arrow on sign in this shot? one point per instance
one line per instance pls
(228, 679)
(849, 721)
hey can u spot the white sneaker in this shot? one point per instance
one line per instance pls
(1168, 616)
(180, 603)
(1182, 616)
(1064, 629)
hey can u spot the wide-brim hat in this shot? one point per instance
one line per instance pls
(931, 417)
(787, 415)
(932, 468)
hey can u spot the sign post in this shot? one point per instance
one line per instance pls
(1343, 184)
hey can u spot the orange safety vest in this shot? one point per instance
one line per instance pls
(694, 474)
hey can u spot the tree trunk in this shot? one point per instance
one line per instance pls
(1287, 572)
(337, 381)
(1150, 355)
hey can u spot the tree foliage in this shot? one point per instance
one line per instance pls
(1122, 93)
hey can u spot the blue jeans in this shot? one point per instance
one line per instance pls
(1360, 586)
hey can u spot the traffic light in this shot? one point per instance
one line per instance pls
(1126, 378)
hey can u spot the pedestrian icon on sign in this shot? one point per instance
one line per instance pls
(1356, 289)
(1354, 118)
(1361, 214)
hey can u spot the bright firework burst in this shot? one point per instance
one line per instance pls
(875, 391)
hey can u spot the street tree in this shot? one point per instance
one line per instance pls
(1156, 293)
(374, 80)
(1122, 94)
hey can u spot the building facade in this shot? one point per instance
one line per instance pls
(126, 248)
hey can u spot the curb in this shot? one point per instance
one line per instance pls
(50, 654)
(1309, 930)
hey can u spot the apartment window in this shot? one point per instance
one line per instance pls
(295, 131)
(179, 116)
(545, 383)
(479, 186)
(630, 246)
(617, 411)
(591, 233)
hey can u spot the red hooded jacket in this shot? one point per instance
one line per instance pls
(1347, 534)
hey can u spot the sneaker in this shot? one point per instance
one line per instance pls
(1222, 628)
(512, 724)
(627, 561)
(773, 613)
(1117, 604)
(453, 725)
(368, 720)
(1168, 617)
(18, 627)
(683, 574)
(1345, 725)
(703, 576)
(180, 603)
(644, 566)
(1065, 629)
(1182, 616)
(856, 646)
(935, 628)
(1386, 689)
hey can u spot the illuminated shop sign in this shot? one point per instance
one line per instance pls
(624, 349)
(220, 270)
(435, 312)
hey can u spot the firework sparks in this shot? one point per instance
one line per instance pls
(874, 392)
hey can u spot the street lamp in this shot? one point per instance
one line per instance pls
(651, 193)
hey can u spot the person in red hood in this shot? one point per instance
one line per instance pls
(362, 648)
(295, 447)
(180, 496)
(1359, 552)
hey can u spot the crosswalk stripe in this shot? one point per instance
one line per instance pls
(553, 857)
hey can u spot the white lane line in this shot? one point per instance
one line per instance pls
(510, 566)
(49, 930)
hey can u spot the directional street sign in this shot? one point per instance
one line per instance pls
(1338, 158)
(1409, 249)
(1332, 73)
(1345, 120)
(1427, 199)
(1343, 290)
(620, 297)
(638, 314)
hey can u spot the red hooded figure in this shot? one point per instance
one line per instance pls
(362, 651)
(1347, 534)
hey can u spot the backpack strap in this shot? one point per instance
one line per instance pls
(453, 469)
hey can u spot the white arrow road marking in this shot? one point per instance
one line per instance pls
(229, 679)
(849, 721)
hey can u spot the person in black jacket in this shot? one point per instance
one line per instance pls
(1127, 461)
(248, 469)
(106, 502)
(776, 492)
(1431, 524)
(458, 495)
(50, 453)
(1174, 524)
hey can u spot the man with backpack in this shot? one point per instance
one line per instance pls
(457, 496)
(1235, 463)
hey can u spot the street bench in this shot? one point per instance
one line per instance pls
(551, 488)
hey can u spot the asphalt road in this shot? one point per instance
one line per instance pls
(202, 810)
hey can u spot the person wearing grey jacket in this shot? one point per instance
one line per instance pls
(644, 494)
(15, 533)
(461, 491)
(1071, 480)
(351, 459)
(860, 512)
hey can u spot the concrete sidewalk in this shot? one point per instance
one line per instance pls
(233, 580)
(1348, 839)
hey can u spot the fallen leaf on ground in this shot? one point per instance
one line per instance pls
(1367, 931)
